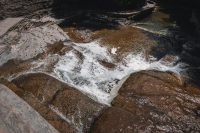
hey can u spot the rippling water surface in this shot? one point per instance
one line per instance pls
(99, 82)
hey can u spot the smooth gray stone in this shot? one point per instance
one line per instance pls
(16, 116)
(7, 23)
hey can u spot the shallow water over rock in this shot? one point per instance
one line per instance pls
(71, 74)
(86, 73)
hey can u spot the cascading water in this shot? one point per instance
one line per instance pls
(97, 81)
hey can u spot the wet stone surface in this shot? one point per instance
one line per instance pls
(17, 116)
(70, 75)
(152, 101)
(59, 103)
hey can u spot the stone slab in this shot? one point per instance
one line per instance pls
(16, 116)
(7, 23)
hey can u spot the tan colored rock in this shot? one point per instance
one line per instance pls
(115, 120)
(12, 87)
(67, 109)
(125, 40)
(155, 102)
(42, 108)
(79, 109)
(76, 35)
(42, 86)
(52, 117)
(13, 67)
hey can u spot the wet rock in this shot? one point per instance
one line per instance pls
(44, 61)
(127, 115)
(107, 64)
(115, 120)
(79, 109)
(36, 40)
(170, 59)
(77, 35)
(125, 39)
(58, 122)
(155, 102)
(17, 116)
(135, 14)
(6, 24)
(42, 108)
(32, 42)
(63, 106)
(41, 86)
(12, 87)
(13, 67)
(15, 8)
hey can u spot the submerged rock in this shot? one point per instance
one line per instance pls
(126, 39)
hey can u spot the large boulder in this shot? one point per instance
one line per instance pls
(152, 101)
(67, 109)
(16, 116)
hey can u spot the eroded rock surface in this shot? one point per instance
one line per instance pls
(17, 116)
(152, 101)
(32, 42)
(67, 109)
(15, 8)
(6, 24)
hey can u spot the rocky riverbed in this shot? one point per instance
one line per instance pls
(99, 72)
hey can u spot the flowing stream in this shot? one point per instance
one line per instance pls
(97, 81)
(100, 83)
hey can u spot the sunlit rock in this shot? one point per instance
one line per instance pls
(151, 101)
(17, 116)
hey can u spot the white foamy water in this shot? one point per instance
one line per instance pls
(97, 81)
